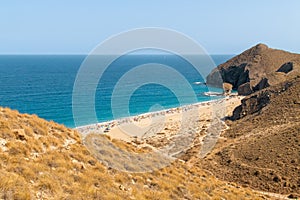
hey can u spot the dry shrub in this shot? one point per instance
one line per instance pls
(60, 171)
(13, 186)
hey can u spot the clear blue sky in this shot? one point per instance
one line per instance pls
(74, 27)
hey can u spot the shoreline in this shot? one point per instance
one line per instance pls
(113, 128)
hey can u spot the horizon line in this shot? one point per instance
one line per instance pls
(82, 54)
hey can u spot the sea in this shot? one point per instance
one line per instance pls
(44, 85)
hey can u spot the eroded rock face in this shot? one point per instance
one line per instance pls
(235, 75)
(251, 105)
(256, 69)
(286, 67)
(215, 79)
(258, 100)
(263, 83)
(245, 89)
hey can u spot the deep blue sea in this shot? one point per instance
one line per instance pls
(43, 85)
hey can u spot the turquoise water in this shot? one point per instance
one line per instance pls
(43, 85)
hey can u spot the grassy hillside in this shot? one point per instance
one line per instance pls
(45, 160)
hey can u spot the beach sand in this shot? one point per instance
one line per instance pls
(171, 130)
(159, 137)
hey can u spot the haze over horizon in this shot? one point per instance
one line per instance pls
(54, 27)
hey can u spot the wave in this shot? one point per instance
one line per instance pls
(213, 94)
(199, 83)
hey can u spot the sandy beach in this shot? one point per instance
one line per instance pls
(159, 128)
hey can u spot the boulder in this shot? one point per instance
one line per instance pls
(227, 88)
(245, 89)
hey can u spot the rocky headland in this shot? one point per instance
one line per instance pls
(255, 69)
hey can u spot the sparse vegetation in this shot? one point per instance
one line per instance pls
(44, 160)
(262, 148)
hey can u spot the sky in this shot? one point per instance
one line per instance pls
(77, 27)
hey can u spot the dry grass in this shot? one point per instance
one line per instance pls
(44, 160)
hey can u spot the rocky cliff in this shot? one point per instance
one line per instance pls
(257, 101)
(255, 69)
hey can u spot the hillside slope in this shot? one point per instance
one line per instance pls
(256, 68)
(261, 149)
(44, 160)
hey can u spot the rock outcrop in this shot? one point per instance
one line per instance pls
(255, 69)
(286, 67)
(245, 89)
(258, 100)
(227, 88)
